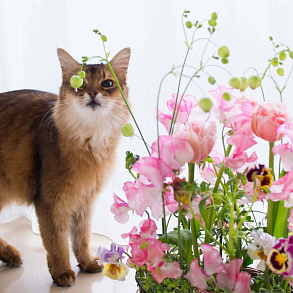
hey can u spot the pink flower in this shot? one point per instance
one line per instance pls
(201, 136)
(174, 152)
(282, 189)
(148, 229)
(266, 120)
(212, 264)
(286, 129)
(232, 279)
(285, 151)
(186, 103)
(241, 141)
(290, 221)
(236, 161)
(165, 270)
(120, 210)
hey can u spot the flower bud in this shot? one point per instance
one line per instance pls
(81, 74)
(223, 52)
(212, 22)
(235, 82)
(104, 38)
(225, 60)
(275, 61)
(282, 55)
(280, 71)
(205, 104)
(243, 84)
(226, 96)
(127, 130)
(291, 54)
(254, 81)
(76, 82)
(188, 24)
(214, 16)
(211, 80)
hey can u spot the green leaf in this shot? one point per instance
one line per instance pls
(202, 204)
(185, 242)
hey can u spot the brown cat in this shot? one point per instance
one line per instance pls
(56, 153)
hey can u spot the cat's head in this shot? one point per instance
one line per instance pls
(98, 100)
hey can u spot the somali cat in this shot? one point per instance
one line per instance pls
(56, 152)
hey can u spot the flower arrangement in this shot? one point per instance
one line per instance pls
(209, 236)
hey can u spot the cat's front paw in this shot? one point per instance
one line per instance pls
(92, 266)
(64, 279)
(11, 256)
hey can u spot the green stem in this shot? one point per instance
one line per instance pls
(178, 234)
(286, 284)
(280, 227)
(231, 232)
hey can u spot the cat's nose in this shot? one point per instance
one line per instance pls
(92, 93)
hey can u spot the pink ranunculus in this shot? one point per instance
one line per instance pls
(165, 270)
(120, 210)
(174, 152)
(232, 279)
(285, 151)
(282, 189)
(201, 136)
(266, 119)
(212, 264)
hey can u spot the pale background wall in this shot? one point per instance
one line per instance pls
(32, 30)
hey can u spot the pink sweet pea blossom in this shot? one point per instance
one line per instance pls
(232, 279)
(120, 210)
(184, 104)
(285, 151)
(165, 270)
(282, 189)
(286, 129)
(212, 264)
(201, 136)
(290, 221)
(236, 161)
(266, 119)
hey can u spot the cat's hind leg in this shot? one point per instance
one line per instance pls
(10, 255)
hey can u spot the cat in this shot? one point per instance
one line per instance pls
(56, 152)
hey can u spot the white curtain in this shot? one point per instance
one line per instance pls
(32, 30)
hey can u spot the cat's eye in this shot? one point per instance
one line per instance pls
(107, 83)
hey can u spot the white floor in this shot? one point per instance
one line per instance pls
(33, 276)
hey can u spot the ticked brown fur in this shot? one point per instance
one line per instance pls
(56, 153)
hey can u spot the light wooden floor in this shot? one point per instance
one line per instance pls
(33, 276)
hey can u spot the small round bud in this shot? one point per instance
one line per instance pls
(282, 55)
(214, 16)
(188, 24)
(76, 82)
(104, 38)
(243, 84)
(225, 60)
(205, 104)
(226, 96)
(212, 22)
(291, 54)
(254, 81)
(235, 82)
(280, 71)
(211, 80)
(275, 61)
(127, 130)
(223, 52)
(81, 74)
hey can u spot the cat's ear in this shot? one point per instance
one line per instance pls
(121, 60)
(68, 64)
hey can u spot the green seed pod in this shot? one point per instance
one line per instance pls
(76, 82)
(205, 104)
(254, 81)
(214, 16)
(291, 54)
(81, 74)
(223, 52)
(127, 130)
(243, 84)
(280, 71)
(104, 38)
(235, 82)
(226, 96)
(212, 22)
(211, 80)
(282, 55)
(275, 61)
(225, 60)
(188, 24)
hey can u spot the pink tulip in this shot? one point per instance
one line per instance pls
(120, 210)
(285, 151)
(212, 264)
(266, 120)
(232, 279)
(201, 136)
